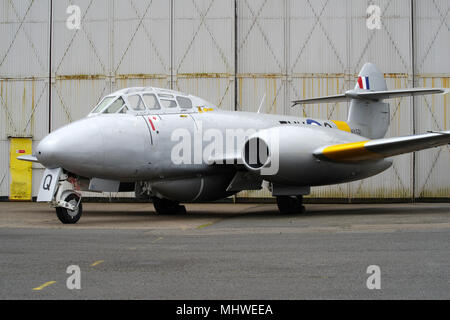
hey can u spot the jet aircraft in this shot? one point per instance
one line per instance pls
(170, 148)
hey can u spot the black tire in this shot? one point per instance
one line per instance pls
(290, 205)
(68, 216)
(168, 207)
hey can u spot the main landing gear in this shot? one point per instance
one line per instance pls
(290, 204)
(168, 207)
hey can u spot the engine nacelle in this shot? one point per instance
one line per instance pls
(284, 155)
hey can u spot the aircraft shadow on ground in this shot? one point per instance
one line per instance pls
(272, 212)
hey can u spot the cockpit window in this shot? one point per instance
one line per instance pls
(115, 106)
(184, 102)
(151, 101)
(102, 104)
(124, 110)
(162, 95)
(168, 103)
(136, 103)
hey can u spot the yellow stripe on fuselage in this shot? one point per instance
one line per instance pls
(342, 125)
(354, 151)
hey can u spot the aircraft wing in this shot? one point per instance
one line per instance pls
(381, 148)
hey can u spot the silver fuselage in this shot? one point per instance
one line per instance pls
(129, 148)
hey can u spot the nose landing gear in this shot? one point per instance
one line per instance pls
(58, 188)
(70, 209)
(66, 201)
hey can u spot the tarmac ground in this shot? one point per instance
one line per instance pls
(226, 251)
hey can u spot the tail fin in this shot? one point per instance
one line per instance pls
(369, 116)
(370, 78)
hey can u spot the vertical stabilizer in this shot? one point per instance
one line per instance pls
(369, 118)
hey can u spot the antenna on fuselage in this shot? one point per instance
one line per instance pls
(261, 104)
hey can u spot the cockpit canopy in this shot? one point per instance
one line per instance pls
(142, 100)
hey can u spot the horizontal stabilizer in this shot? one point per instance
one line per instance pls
(391, 94)
(382, 148)
(28, 158)
(327, 99)
(371, 95)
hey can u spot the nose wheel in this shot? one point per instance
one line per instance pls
(168, 207)
(290, 204)
(67, 215)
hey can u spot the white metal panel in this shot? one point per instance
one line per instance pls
(24, 38)
(319, 36)
(432, 63)
(203, 38)
(126, 81)
(261, 42)
(23, 106)
(83, 51)
(203, 50)
(389, 47)
(141, 37)
(432, 34)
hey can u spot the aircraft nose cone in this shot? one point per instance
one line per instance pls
(48, 151)
(76, 145)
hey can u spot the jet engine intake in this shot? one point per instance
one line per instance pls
(256, 153)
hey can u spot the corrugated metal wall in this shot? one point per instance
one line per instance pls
(231, 53)
(24, 58)
(432, 68)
